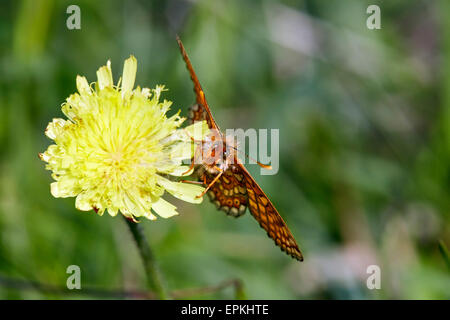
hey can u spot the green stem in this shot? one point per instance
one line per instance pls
(154, 276)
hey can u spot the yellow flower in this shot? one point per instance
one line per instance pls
(118, 148)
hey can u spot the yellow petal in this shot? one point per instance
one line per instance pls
(164, 208)
(83, 85)
(197, 130)
(82, 202)
(180, 151)
(129, 74)
(183, 191)
(113, 211)
(63, 188)
(181, 171)
(104, 76)
(54, 128)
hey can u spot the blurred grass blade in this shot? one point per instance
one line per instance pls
(31, 28)
(444, 251)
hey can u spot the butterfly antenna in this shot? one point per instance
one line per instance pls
(262, 165)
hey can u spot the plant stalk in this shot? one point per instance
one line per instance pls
(155, 279)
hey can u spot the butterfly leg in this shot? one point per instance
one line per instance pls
(190, 168)
(212, 182)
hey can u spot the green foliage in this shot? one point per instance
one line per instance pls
(444, 251)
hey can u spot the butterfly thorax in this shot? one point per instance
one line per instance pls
(218, 152)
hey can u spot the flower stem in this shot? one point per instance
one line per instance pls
(154, 277)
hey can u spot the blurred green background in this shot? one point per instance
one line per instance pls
(364, 118)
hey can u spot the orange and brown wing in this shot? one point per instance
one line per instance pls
(199, 111)
(236, 190)
(268, 217)
(229, 192)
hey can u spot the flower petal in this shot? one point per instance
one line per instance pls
(64, 188)
(82, 202)
(183, 191)
(129, 74)
(83, 85)
(164, 208)
(113, 211)
(181, 151)
(181, 171)
(55, 128)
(104, 76)
(197, 130)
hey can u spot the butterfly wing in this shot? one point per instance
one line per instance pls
(236, 190)
(268, 217)
(199, 111)
(229, 192)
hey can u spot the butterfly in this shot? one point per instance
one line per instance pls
(228, 183)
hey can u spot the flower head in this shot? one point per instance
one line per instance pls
(117, 149)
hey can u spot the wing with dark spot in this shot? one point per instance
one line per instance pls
(198, 113)
(268, 217)
(229, 192)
